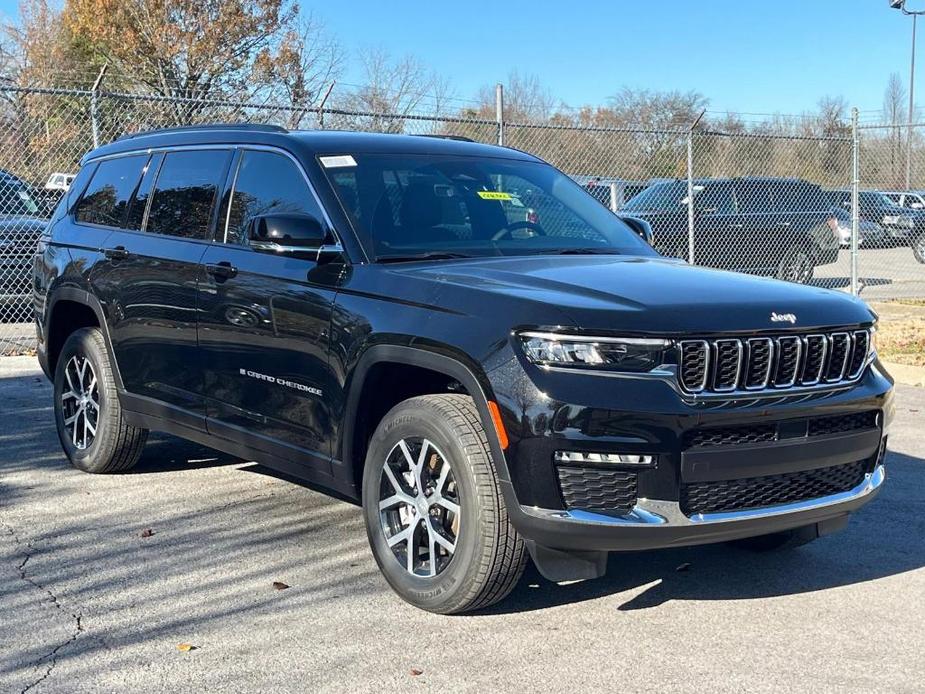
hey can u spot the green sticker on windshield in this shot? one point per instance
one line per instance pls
(494, 195)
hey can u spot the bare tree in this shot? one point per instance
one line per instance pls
(894, 113)
(526, 99)
(396, 86)
(307, 62)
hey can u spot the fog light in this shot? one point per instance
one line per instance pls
(582, 458)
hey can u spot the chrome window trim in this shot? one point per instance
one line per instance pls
(231, 147)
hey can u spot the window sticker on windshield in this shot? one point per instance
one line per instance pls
(494, 195)
(337, 162)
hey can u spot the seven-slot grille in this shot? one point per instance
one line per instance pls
(723, 365)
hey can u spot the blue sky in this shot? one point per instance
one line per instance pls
(760, 56)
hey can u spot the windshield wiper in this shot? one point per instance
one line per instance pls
(436, 255)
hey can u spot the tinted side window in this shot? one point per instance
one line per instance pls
(136, 210)
(184, 195)
(753, 196)
(267, 183)
(106, 199)
(716, 198)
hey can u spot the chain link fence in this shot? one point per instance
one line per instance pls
(771, 204)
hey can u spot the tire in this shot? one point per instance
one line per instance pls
(918, 247)
(797, 265)
(429, 434)
(775, 542)
(95, 438)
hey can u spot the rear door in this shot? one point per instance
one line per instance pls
(265, 321)
(717, 227)
(756, 246)
(150, 279)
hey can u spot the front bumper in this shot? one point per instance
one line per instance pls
(647, 418)
(655, 524)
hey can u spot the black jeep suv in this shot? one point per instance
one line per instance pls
(374, 314)
(782, 227)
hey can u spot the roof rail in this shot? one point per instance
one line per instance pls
(458, 138)
(253, 127)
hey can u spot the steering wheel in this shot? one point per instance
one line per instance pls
(514, 226)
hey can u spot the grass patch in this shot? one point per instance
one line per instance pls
(902, 340)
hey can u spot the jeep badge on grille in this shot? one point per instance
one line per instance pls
(783, 318)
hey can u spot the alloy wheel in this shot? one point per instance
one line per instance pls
(419, 506)
(80, 403)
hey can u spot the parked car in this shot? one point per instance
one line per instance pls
(484, 388)
(874, 206)
(19, 237)
(775, 226)
(917, 242)
(21, 225)
(869, 233)
(59, 181)
(910, 199)
(613, 193)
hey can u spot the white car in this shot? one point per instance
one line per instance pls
(59, 181)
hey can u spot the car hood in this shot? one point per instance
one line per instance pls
(628, 293)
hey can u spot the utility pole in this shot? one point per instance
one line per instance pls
(901, 6)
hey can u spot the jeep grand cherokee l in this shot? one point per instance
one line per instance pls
(782, 227)
(358, 311)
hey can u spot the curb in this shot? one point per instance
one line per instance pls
(906, 374)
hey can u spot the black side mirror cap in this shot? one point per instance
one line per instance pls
(287, 231)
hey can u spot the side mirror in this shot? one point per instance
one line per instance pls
(287, 233)
(640, 227)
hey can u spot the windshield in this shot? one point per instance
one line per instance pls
(873, 199)
(405, 206)
(16, 200)
(661, 197)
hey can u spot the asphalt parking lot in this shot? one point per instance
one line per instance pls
(87, 603)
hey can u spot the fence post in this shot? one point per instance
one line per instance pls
(855, 183)
(499, 112)
(95, 106)
(690, 196)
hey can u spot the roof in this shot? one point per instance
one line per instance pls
(307, 142)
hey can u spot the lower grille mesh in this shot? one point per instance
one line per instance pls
(593, 489)
(770, 490)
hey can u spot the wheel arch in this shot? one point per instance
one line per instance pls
(58, 327)
(451, 367)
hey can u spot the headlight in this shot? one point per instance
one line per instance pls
(627, 354)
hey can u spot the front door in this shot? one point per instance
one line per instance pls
(265, 321)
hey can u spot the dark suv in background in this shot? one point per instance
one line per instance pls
(783, 227)
(375, 314)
